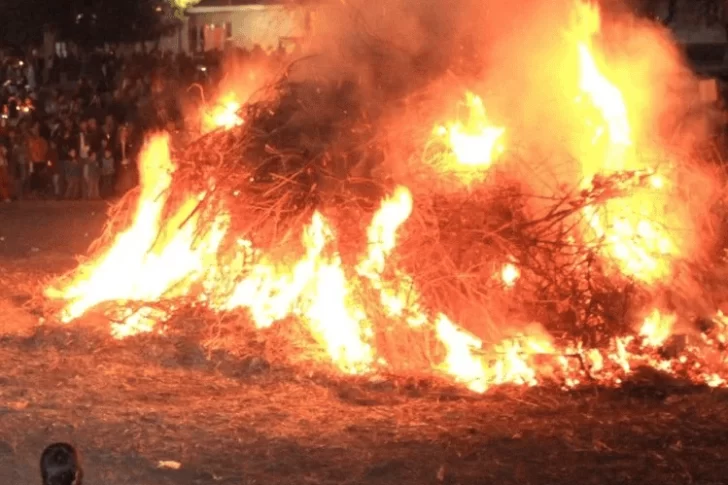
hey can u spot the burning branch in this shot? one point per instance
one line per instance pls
(302, 209)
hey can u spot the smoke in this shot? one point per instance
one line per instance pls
(522, 58)
(245, 79)
(392, 47)
(518, 55)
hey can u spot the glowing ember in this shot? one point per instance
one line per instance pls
(510, 274)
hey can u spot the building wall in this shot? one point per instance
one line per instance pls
(247, 26)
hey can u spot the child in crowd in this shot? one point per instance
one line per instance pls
(21, 166)
(74, 172)
(38, 153)
(56, 169)
(93, 175)
(107, 173)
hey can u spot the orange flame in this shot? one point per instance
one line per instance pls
(474, 144)
(461, 361)
(316, 290)
(139, 265)
(142, 267)
(167, 254)
(631, 228)
(657, 328)
(223, 115)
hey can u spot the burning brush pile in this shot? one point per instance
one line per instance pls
(418, 235)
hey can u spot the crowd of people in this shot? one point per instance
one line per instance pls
(79, 139)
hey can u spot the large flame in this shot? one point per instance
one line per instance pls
(140, 265)
(168, 253)
(632, 228)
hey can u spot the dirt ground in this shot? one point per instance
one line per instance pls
(129, 405)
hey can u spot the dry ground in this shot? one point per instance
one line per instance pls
(129, 405)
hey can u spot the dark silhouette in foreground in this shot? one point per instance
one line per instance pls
(60, 465)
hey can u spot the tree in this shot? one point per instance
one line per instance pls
(25, 20)
(113, 21)
(87, 23)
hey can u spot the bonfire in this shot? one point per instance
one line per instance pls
(445, 261)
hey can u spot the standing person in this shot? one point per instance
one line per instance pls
(119, 106)
(125, 179)
(94, 135)
(30, 75)
(38, 152)
(73, 175)
(107, 172)
(93, 174)
(51, 106)
(94, 112)
(65, 143)
(19, 163)
(4, 175)
(55, 165)
(109, 131)
(84, 149)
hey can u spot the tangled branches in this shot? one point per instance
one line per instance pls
(307, 148)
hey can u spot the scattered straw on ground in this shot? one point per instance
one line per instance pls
(240, 419)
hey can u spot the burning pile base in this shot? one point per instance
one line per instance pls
(266, 217)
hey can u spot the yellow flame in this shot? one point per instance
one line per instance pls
(475, 143)
(162, 256)
(631, 228)
(139, 265)
(657, 328)
(225, 114)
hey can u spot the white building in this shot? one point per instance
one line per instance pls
(215, 24)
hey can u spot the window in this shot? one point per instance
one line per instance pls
(228, 30)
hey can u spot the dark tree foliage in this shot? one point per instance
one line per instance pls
(24, 20)
(122, 21)
(86, 22)
(669, 12)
